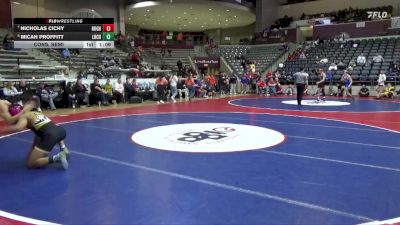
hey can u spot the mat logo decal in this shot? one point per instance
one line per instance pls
(214, 134)
(207, 137)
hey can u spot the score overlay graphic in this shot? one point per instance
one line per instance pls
(64, 33)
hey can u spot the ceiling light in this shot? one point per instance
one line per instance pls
(144, 4)
(219, 14)
(131, 14)
(179, 17)
(209, 9)
(17, 3)
(202, 26)
(226, 20)
(234, 16)
(228, 10)
(158, 20)
(185, 13)
(148, 10)
(144, 15)
(129, 18)
(195, 18)
(191, 7)
(190, 21)
(184, 25)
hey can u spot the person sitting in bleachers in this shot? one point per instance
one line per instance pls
(333, 66)
(381, 83)
(361, 60)
(378, 58)
(341, 66)
(109, 89)
(65, 54)
(388, 92)
(47, 94)
(71, 95)
(119, 91)
(98, 93)
(182, 90)
(11, 93)
(128, 87)
(262, 87)
(81, 93)
(364, 91)
(271, 86)
(8, 42)
(289, 90)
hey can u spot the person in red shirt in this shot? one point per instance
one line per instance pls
(262, 86)
(191, 86)
(161, 83)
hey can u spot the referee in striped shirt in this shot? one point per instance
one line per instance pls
(301, 79)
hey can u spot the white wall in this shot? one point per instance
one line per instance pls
(295, 10)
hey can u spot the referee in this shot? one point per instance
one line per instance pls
(301, 79)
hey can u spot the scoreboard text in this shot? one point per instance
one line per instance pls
(64, 33)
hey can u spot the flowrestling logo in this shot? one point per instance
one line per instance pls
(215, 134)
(377, 15)
(208, 137)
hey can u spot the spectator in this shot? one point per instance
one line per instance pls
(161, 83)
(381, 83)
(262, 87)
(324, 60)
(48, 95)
(179, 64)
(8, 42)
(182, 90)
(302, 55)
(341, 66)
(191, 87)
(173, 83)
(232, 84)
(128, 87)
(109, 89)
(71, 95)
(271, 86)
(364, 92)
(81, 93)
(333, 66)
(361, 60)
(65, 54)
(99, 93)
(289, 90)
(119, 91)
(378, 58)
(11, 93)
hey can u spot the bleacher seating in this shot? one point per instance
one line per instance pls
(389, 48)
(155, 60)
(10, 59)
(262, 55)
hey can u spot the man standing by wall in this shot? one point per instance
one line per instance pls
(301, 79)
